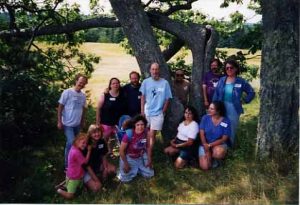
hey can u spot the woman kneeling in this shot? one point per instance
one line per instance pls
(187, 133)
(134, 152)
(214, 135)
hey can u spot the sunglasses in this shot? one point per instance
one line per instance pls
(180, 75)
(229, 67)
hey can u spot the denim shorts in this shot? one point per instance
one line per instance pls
(137, 166)
(201, 151)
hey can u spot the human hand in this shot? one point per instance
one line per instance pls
(126, 167)
(60, 125)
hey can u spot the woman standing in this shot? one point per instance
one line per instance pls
(186, 135)
(229, 90)
(134, 152)
(214, 135)
(110, 108)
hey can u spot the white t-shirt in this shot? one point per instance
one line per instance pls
(187, 131)
(73, 102)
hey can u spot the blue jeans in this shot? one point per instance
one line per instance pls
(233, 117)
(70, 133)
(137, 165)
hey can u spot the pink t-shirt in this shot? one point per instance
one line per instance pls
(137, 145)
(75, 162)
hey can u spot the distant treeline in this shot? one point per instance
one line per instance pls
(239, 39)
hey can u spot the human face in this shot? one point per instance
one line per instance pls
(134, 79)
(81, 144)
(154, 70)
(139, 127)
(214, 66)
(96, 135)
(212, 110)
(80, 83)
(230, 70)
(115, 84)
(179, 76)
(188, 115)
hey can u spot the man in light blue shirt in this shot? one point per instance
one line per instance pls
(156, 93)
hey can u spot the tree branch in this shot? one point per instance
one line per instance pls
(175, 8)
(61, 29)
(173, 48)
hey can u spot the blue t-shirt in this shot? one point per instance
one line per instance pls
(156, 92)
(212, 132)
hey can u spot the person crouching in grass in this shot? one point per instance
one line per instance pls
(76, 163)
(99, 166)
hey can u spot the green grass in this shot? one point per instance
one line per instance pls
(241, 180)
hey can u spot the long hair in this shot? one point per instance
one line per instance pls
(79, 137)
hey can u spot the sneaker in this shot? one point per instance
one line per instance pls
(215, 164)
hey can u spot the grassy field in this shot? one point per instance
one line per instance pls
(241, 179)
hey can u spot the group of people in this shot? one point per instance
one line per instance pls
(144, 105)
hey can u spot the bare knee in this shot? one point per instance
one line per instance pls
(179, 163)
(219, 152)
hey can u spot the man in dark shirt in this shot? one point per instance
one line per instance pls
(132, 94)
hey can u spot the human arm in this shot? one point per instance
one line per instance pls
(98, 110)
(149, 152)
(92, 173)
(188, 143)
(220, 141)
(59, 116)
(123, 148)
(143, 105)
(247, 88)
(205, 95)
(203, 141)
(165, 107)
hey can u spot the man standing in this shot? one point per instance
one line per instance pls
(210, 81)
(133, 94)
(156, 93)
(70, 112)
(181, 87)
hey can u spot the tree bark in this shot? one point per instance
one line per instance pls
(137, 28)
(278, 128)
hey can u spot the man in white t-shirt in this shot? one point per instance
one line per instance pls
(156, 93)
(70, 112)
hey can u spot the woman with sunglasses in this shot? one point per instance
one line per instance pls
(229, 90)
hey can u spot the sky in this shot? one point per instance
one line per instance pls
(208, 7)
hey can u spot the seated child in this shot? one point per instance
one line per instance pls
(76, 162)
(123, 126)
(98, 160)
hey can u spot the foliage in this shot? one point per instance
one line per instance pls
(32, 78)
(104, 35)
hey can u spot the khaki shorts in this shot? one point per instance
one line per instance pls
(155, 122)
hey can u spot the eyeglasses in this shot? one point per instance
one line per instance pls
(180, 75)
(229, 67)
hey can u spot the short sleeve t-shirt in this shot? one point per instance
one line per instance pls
(97, 153)
(214, 132)
(75, 161)
(156, 92)
(211, 81)
(187, 131)
(136, 145)
(73, 103)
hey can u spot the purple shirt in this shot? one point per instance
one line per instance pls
(211, 81)
(137, 145)
(75, 162)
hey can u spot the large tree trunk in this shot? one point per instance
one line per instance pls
(138, 30)
(278, 128)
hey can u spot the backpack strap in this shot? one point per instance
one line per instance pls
(129, 133)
